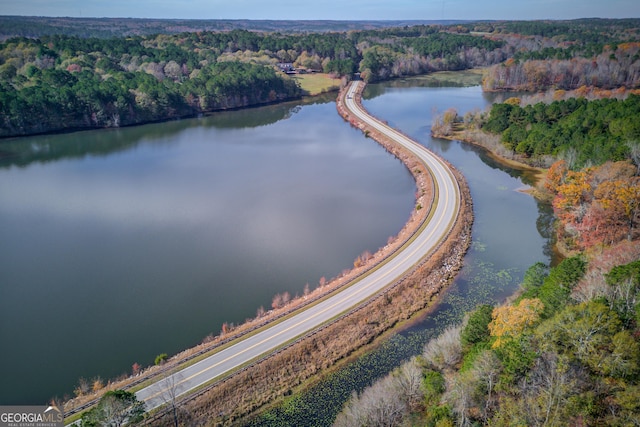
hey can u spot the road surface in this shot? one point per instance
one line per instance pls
(219, 365)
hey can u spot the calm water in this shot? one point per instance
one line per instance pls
(116, 246)
(510, 233)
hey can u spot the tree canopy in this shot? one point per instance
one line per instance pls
(61, 82)
(594, 131)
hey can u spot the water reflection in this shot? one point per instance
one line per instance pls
(50, 148)
(140, 241)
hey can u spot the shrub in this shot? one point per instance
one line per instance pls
(161, 358)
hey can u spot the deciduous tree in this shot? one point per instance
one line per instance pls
(509, 321)
(115, 408)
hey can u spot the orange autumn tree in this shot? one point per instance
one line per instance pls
(574, 191)
(509, 321)
(600, 227)
(571, 201)
(621, 199)
(596, 206)
(555, 176)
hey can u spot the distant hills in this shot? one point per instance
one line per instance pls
(37, 26)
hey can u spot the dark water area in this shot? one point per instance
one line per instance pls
(511, 231)
(119, 245)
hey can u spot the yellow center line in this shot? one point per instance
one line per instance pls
(417, 150)
(295, 325)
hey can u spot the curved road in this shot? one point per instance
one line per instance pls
(267, 341)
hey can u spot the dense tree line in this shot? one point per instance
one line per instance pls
(62, 82)
(39, 26)
(109, 84)
(581, 31)
(56, 99)
(567, 55)
(610, 69)
(556, 355)
(397, 56)
(540, 64)
(584, 132)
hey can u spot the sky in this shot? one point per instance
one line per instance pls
(327, 9)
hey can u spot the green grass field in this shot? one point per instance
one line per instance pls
(317, 83)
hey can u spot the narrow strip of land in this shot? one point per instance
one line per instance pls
(254, 347)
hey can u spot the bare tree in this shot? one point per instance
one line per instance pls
(548, 388)
(408, 380)
(83, 387)
(570, 156)
(169, 391)
(286, 298)
(276, 302)
(378, 405)
(460, 395)
(388, 402)
(445, 351)
(487, 369)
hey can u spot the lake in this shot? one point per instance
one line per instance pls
(119, 245)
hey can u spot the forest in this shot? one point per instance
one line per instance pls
(586, 132)
(69, 82)
(59, 82)
(38, 26)
(565, 349)
(564, 352)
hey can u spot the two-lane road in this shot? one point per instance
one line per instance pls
(270, 339)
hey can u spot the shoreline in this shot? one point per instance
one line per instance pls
(246, 392)
(537, 173)
(306, 94)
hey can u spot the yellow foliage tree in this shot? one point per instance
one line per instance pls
(574, 190)
(513, 101)
(555, 175)
(511, 320)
